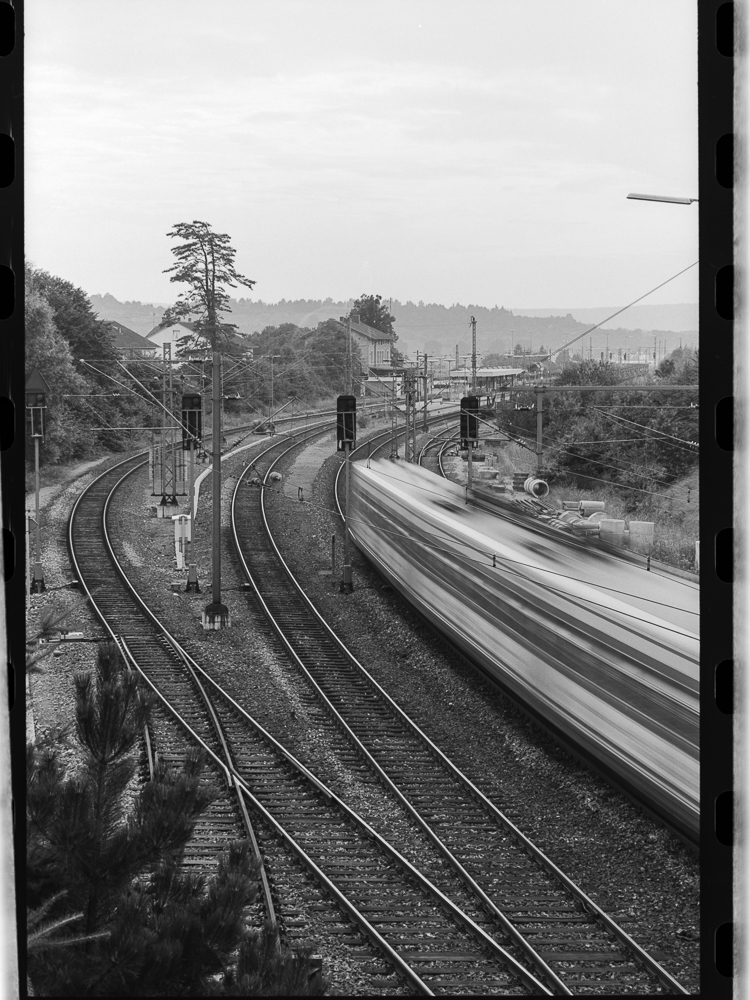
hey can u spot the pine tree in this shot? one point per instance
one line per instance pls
(266, 968)
(106, 859)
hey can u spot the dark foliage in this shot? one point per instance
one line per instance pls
(266, 968)
(308, 364)
(84, 407)
(373, 311)
(103, 868)
(74, 318)
(638, 442)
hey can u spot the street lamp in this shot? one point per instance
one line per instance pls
(663, 197)
(36, 404)
(658, 197)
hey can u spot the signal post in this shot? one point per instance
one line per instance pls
(36, 404)
(192, 434)
(469, 429)
(346, 436)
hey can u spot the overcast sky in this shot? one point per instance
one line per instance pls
(448, 152)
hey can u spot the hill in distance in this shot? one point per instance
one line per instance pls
(675, 317)
(438, 329)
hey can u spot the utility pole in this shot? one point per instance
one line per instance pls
(349, 356)
(410, 438)
(539, 404)
(473, 355)
(407, 408)
(192, 431)
(424, 424)
(415, 409)
(36, 403)
(346, 581)
(394, 421)
(216, 614)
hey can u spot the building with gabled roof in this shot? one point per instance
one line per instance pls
(184, 338)
(127, 342)
(374, 345)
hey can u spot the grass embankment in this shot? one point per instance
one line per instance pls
(674, 511)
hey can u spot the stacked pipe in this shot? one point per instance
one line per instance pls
(536, 487)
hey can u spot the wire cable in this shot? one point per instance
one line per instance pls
(653, 430)
(597, 325)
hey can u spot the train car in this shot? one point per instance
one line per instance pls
(603, 652)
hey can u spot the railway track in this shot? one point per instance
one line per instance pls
(552, 928)
(365, 877)
(433, 450)
(129, 621)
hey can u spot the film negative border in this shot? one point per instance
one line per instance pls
(716, 48)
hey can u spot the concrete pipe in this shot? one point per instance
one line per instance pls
(536, 487)
(612, 530)
(589, 506)
(597, 516)
(641, 536)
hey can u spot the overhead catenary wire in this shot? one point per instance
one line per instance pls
(661, 497)
(652, 430)
(596, 326)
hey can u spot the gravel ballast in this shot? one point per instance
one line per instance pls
(623, 859)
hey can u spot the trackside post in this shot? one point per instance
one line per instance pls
(346, 436)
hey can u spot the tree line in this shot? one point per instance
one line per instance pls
(87, 412)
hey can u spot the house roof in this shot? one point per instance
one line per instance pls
(125, 339)
(191, 327)
(177, 322)
(485, 372)
(364, 330)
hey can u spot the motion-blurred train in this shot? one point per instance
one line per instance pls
(603, 651)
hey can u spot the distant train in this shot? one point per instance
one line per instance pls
(601, 650)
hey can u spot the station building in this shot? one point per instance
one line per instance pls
(490, 381)
(374, 345)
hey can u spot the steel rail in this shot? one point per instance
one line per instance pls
(542, 968)
(267, 895)
(441, 454)
(361, 921)
(444, 901)
(233, 777)
(433, 443)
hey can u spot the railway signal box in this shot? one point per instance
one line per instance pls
(36, 402)
(346, 422)
(192, 420)
(469, 422)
